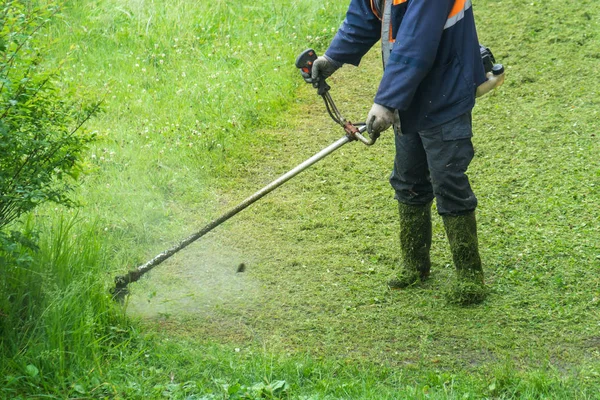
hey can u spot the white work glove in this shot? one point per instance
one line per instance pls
(379, 119)
(493, 81)
(323, 67)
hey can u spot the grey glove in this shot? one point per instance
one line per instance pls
(323, 67)
(379, 119)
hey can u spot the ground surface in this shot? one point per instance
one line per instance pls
(320, 249)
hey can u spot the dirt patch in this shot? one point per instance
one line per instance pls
(197, 281)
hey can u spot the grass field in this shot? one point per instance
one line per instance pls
(204, 107)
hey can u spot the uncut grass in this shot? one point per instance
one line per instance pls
(60, 321)
(217, 371)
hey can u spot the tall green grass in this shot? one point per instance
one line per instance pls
(58, 319)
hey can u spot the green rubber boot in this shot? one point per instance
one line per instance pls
(469, 287)
(415, 242)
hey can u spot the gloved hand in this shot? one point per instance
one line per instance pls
(493, 81)
(379, 119)
(323, 67)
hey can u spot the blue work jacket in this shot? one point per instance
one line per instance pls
(435, 66)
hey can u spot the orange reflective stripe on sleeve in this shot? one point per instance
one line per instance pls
(457, 12)
(459, 5)
(396, 2)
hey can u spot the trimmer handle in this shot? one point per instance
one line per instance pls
(498, 69)
(489, 61)
(304, 62)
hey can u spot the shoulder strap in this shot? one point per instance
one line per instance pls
(387, 43)
(377, 7)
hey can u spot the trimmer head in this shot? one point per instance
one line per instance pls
(120, 291)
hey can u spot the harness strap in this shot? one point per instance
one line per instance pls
(377, 7)
(387, 43)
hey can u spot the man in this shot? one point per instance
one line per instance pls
(432, 73)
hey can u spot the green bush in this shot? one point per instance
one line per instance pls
(41, 135)
(49, 309)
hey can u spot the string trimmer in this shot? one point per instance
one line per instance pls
(352, 132)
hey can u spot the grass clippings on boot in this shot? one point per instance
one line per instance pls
(466, 292)
(405, 279)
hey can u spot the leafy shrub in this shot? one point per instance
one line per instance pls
(41, 135)
(41, 143)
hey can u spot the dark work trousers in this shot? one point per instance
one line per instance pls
(433, 163)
